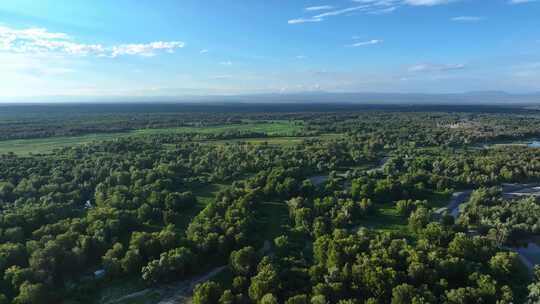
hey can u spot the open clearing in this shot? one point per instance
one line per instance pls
(280, 128)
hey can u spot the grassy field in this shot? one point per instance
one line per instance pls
(272, 216)
(388, 219)
(116, 289)
(46, 145)
(271, 128)
(280, 140)
(205, 195)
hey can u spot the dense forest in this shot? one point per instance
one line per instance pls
(341, 205)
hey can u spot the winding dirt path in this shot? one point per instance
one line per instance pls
(181, 292)
(175, 293)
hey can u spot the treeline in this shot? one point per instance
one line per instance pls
(441, 266)
(466, 169)
(422, 129)
(509, 222)
(447, 126)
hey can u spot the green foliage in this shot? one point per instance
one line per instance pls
(175, 194)
(419, 219)
(173, 264)
(207, 293)
(268, 299)
(243, 261)
(264, 282)
(32, 294)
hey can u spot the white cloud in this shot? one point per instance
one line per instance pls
(467, 19)
(227, 63)
(146, 49)
(520, 1)
(427, 2)
(430, 67)
(368, 42)
(374, 7)
(319, 8)
(30, 34)
(203, 51)
(304, 20)
(341, 11)
(40, 40)
(383, 11)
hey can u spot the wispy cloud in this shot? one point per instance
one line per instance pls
(520, 1)
(147, 49)
(428, 2)
(431, 67)
(368, 7)
(40, 40)
(226, 63)
(341, 11)
(319, 8)
(367, 42)
(304, 20)
(203, 51)
(383, 11)
(467, 19)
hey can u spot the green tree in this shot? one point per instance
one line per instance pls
(534, 288)
(227, 297)
(243, 261)
(32, 294)
(266, 280)
(207, 293)
(419, 219)
(298, 299)
(268, 299)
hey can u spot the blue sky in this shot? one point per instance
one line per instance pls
(174, 48)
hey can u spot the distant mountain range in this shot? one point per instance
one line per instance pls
(472, 98)
(484, 98)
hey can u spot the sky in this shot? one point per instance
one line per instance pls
(228, 47)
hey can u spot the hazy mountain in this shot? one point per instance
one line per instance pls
(476, 97)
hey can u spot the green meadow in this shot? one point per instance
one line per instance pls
(275, 129)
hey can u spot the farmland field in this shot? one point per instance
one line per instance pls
(47, 145)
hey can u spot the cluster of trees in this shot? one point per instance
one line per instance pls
(506, 221)
(227, 223)
(442, 266)
(390, 188)
(321, 215)
(98, 205)
(441, 169)
(423, 129)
